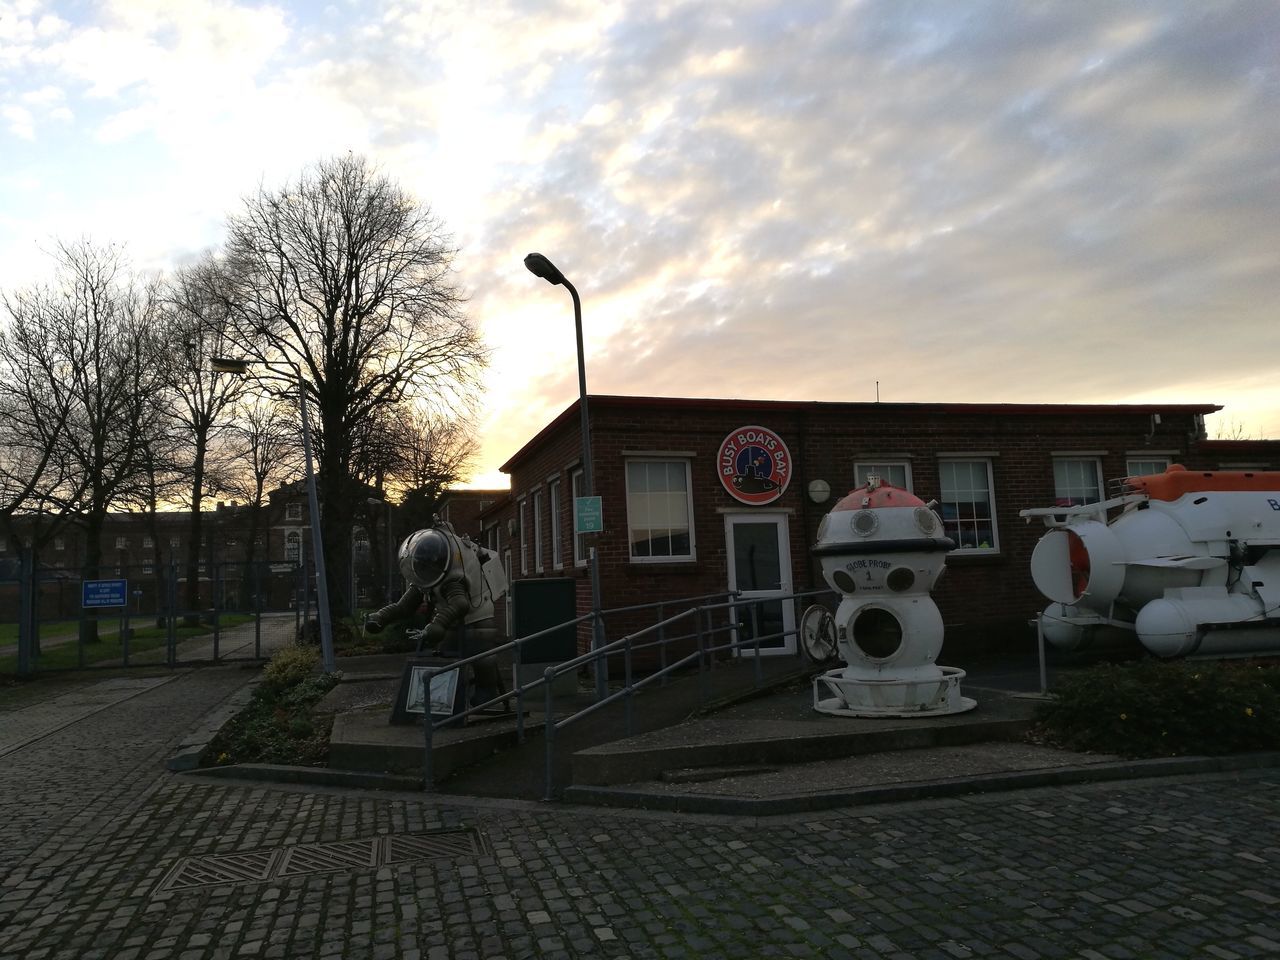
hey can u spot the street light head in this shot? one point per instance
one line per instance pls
(229, 365)
(540, 266)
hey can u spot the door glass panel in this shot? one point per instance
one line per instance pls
(766, 617)
(756, 563)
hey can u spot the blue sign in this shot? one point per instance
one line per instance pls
(104, 593)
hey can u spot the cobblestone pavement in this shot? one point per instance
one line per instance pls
(103, 854)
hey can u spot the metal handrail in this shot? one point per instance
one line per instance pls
(625, 645)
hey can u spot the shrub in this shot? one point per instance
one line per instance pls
(289, 666)
(279, 725)
(1157, 708)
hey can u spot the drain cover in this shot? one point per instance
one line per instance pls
(305, 858)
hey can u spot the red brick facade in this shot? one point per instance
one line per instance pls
(982, 596)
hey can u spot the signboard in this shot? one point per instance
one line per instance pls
(445, 694)
(588, 515)
(754, 465)
(104, 593)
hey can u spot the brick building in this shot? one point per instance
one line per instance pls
(673, 528)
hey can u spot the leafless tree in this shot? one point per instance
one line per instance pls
(345, 286)
(93, 330)
(198, 321)
(263, 450)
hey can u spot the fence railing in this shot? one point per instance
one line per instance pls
(698, 623)
(146, 615)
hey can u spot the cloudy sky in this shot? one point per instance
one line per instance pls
(783, 199)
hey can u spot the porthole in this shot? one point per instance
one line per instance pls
(877, 633)
(843, 582)
(864, 523)
(900, 579)
(926, 521)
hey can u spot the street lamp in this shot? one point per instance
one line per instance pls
(540, 266)
(240, 368)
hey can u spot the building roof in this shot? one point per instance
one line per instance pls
(851, 408)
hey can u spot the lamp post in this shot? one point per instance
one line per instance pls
(240, 368)
(540, 266)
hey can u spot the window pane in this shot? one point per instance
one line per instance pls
(968, 513)
(1145, 468)
(658, 508)
(894, 473)
(1075, 482)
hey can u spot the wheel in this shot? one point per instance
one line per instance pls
(818, 634)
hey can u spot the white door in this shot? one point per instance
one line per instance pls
(758, 549)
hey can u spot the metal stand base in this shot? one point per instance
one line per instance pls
(853, 697)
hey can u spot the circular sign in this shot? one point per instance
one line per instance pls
(754, 465)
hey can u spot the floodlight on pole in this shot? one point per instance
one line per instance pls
(240, 368)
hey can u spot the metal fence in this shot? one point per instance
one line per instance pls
(58, 619)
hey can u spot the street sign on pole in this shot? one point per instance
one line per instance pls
(588, 515)
(104, 593)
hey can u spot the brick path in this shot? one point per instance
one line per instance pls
(91, 825)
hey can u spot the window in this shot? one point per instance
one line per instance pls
(968, 509)
(1076, 481)
(557, 558)
(579, 545)
(293, 546)
(658, 510)
(898, 474)
(524, 553)
(175, 543)
(537, 531)
(122, 543)
(59, 543)
(147, 568)
(147, 543)
(1145, 467)
(293, 511)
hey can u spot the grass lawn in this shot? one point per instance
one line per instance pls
(109, 648)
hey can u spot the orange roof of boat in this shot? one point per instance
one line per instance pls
(1178, 481)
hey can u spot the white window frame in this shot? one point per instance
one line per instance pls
(175, 543)
(537, 531)
(579, 548)
(289, 537)
(557, 548)
(991, 500)
(1132, 461)
(293, 511)
(147, 543)
(520, 528)
(1066, 461)
(692, 555)
(862, 467)
(122, 543)
(59, 543)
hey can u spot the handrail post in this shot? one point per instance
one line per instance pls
(428, 734)
(626, 679)
(518, 685)
(549, 734)
(702, 657)
(755, 639)
(597, 622)
(662, 643)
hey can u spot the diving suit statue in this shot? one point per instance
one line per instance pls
(460, 580)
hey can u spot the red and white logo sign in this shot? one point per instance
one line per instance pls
(754, 465)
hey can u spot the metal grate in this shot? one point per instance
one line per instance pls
(324, 857)
(281, 862)
(227, 868)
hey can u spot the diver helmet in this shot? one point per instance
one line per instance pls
(425, 558)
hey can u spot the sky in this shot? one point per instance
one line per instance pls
(769, 199)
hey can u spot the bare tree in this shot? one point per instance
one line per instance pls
(198, 320)
(262, 445)
(93, 329)
(345, 286)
